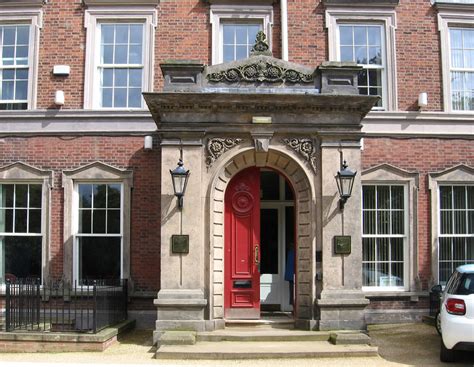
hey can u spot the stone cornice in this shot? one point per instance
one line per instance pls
(258, 103)
(75, 122)
(454, 6)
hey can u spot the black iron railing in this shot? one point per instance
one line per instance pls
(435, 300)
(61, 306)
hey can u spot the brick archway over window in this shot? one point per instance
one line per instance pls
(304, 219)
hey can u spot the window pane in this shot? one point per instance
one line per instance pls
(21, 90)
(228, 53)
(113, 221)
(369, 275)
(445, 249)
(368, 252)
(459, 249)
(35, 221)
(383, 249)
(135, 78)
(22, 257)
(7, 196)
(360, 35)
(99, 257)
(241, 34)
(455, 38)
(459, 197)
(85, 221)
(35, 196)
(361, 55)
(397, 197)
(347, 53)
(113, 199)
(120, 97)
(241, 52)
(107, 54)
(121, 54)
(120, 77)
(135, 54)
(134, 97)
(269, 185)
(21, 196)
(445, 197)
(85, 196)
(396, 249)
(136, 33)
(121, 33)
(107, 33)
(107, 97)
(374, 36)
(375, 55)
(383, 197)
(9, 35)
(8, 90)
(20, 220)
(6, 220)
(23, 35)
(398, 225)
(345, 34)
(100, 192)
(460, 222)
(99, 221)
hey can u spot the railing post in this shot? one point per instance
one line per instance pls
(94, 315)
(8, 306)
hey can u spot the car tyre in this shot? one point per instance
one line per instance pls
(446, 355)
(438, 323)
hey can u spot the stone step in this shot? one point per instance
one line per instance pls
(263, 350)
(270, 322)
(245, 334)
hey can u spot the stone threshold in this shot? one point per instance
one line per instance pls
(31, 341)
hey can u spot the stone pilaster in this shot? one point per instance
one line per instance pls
(341, 303)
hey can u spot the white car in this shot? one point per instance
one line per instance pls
(457, 313)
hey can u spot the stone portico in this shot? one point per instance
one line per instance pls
(260, 112)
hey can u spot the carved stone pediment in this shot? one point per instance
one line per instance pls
(260, 69)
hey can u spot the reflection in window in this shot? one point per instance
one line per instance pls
(121, 65)
(456, 237)
(462, 68)
(20, 231)
(238, 40)
(14, 66)
(363, 45)
(383, 235)
(99, 237)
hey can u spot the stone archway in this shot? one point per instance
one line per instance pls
(304, 218)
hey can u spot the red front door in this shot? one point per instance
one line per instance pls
(242, 246)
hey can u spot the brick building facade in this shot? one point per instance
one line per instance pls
(73, 123)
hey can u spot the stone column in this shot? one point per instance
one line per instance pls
(181, 300)
(341, 303)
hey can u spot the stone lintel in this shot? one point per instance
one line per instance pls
(362, 3)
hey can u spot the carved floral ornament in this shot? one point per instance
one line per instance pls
(218, 146)
(305, 148)
(260, 71)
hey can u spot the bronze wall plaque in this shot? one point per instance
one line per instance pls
(342, 245)
(180, 244)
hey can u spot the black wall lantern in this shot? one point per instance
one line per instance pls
(345, 181)
(179, 176)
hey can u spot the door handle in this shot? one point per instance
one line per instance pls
(257, 262)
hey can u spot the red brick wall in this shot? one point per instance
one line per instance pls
(423, 156)
(124, 152)
(184, 32)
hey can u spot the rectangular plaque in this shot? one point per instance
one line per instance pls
(342, 245)
(180, 244)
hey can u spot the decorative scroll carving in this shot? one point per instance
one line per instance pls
(305, 148)
(260, 71)
(218, 146)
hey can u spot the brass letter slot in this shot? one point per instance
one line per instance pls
(242, 284)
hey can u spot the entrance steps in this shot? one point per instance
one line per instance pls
(262, 339)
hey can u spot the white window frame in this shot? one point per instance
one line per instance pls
(95, 173)
(96, 15)
(21, 173)
(458, 175)
(32, 16)
(451, 18)
(75, 218)
(368, 16)
(386, 174)
(220, 13)
(452, 235)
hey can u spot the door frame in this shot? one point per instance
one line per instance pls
(299, 174)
